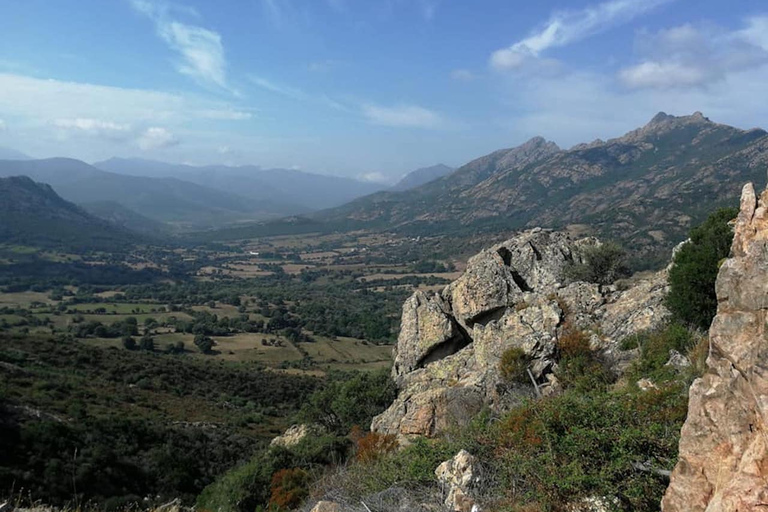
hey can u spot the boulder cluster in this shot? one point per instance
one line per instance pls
(516, 294)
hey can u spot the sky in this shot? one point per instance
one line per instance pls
(365, 88)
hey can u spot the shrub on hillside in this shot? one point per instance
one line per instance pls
(603, 264)
(513, 365)
(692, 297)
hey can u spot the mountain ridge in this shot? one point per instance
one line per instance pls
(644, 189)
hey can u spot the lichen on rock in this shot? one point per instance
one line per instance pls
(723, 462)
(512, 295)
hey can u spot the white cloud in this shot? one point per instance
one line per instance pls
(201, 49)
(3, 126)
(566, 27)
(403, 115)
(375, 177)
(156, 138)
(96, 127)
(38, 99)
(688, 55)
(282, 90)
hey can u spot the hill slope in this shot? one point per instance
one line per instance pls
(644, 189)
(33, 214)
(162, 199)
(421, 176)
(119, 215)
(296, 191)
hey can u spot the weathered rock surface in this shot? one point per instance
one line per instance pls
(457, 476)
(326, 506)
(723, 463)
(295, 434)
(514, 294)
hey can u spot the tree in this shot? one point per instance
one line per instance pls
(147, 343)
(692, 298)
(204, 343)
(129, 343)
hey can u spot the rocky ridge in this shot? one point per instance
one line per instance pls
(514, 294)
(723, 462)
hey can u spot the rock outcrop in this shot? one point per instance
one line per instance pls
(514, 294)
(457, 476)
(723, 463)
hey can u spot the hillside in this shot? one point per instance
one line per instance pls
(645, 189)
(33, 214)
(295, 191)
(421, 176)
(162, 199)
(119, 215)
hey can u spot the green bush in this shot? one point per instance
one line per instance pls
(692, 298)
(348, 400)
(603, 264)
(513, 365)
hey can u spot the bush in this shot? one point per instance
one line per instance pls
(603, 264)
(369, 446)
(289, 487)
(348, 400)
(513, 365)
(579, 367)
(692, 299)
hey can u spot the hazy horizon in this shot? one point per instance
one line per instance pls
(370, 90)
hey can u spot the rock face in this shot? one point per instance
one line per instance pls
(458, 476)
(295, 434)
(511, 295)
(723, 464)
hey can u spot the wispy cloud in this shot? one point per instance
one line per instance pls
(411, 116)
(94, 127)
(200, 49)
(566, 27)
(156, 138)
(689, 55)
(282, 90)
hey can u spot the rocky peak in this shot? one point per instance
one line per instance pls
(514, 294)
(723, 462)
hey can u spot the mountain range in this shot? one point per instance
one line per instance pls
(295, 191)
(645, 189)
(33, 214)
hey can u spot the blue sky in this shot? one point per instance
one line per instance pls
(365, 88)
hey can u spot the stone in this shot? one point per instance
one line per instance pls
(326, 506)
(723, 452)
(677, 360)
(514, 294)
(457, 476)
(295, 434)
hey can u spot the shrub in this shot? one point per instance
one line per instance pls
(579, 367)
(289, 487)
(129, 343)
(369, 446)
(513, 365)
(603, 264)
(348, 400)
(692, 299)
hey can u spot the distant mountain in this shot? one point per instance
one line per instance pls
(421, 176)
(645, 189)
(119, 215)
(33, 214)
(162, 199)
(297, 191)
(12, 154)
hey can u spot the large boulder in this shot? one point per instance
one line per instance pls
(723, 462)
(515, 294)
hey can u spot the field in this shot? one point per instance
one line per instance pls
(283, 302)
